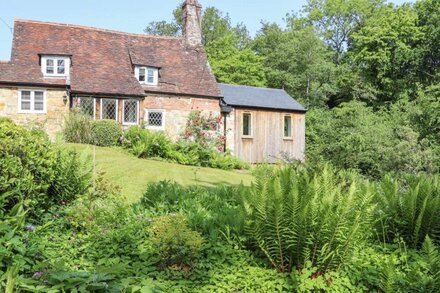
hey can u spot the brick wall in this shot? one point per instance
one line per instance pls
(177, 109)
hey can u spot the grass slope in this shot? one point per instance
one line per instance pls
(133, 175)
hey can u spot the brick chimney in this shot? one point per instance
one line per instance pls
(192, 22)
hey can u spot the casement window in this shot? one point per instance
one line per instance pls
(86, 105)
(55, 66)
(155, 119)
(109, 109)
(147, 75)
(287, 126)
(130, 112)
(32, 101)
(247, 125)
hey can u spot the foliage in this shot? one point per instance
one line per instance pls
(196, 148)
(353, 136)
(215, 212)
(204, 130)
(174, 242)
(409, 209)
(233, 65)
(106, 133)
(35, 173)
(309, 72)
(144, 143)
(77, 128)
(295, 217)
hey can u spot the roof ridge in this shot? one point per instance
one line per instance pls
(4, 61)
(95, 29)
(250, 86)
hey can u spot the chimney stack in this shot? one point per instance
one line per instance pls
(192, 22)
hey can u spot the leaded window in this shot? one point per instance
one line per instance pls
(155, 119)
(109, 109)
(130, 111)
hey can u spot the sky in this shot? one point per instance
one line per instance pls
(134, 15)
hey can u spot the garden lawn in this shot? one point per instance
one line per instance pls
(133, 174)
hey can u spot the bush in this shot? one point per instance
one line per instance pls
(77, 128)
(174, 242)
(144, 143)
(215, 212)
(36, 172)
(106, 133)
(295, 217)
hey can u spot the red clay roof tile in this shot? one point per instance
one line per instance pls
(103, 60)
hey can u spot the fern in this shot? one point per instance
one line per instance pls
(295, 217)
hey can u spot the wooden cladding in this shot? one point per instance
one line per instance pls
(265, 136)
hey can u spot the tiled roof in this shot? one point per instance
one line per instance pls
(102, 60)
(255, 97)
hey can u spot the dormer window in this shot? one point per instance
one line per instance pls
(55, 66)
(147, 75)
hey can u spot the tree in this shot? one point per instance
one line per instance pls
(385, 51)
(298, 61)
(215, 25)
(235, 66)
(336, 20)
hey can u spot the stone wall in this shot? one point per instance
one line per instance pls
(51, 122)
(177, 109)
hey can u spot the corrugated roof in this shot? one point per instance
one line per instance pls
(256, 97)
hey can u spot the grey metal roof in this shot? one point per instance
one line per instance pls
(255, 97)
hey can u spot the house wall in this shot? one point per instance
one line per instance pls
(51, 122)
(267, 142)
(177, 109)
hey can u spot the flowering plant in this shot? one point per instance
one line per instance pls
(205, 130)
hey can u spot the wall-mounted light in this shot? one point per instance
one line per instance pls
(65, 99)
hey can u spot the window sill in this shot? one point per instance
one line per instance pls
(288, 138)
(55, 76)
(32, 112)
(247, 137)
(130, 124)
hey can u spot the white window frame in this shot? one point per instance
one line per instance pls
(251, 134)
(137, 112)
(32, 101)
(291, 126)
(146, 119)
(55, 69)
(155, 77)
(117, 108)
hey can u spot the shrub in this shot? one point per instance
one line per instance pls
(295, 217)
(106, 133)
(214, 212)
(34, 171)
(204, 130)
(409, 208)
(144, 143)
(77, 128)
(174, 242)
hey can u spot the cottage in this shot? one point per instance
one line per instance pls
(140, 79)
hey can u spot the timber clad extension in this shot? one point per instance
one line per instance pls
(139, 79)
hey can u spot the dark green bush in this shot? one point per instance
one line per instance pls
(77, 128)
(106, 133)
(34, 171)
